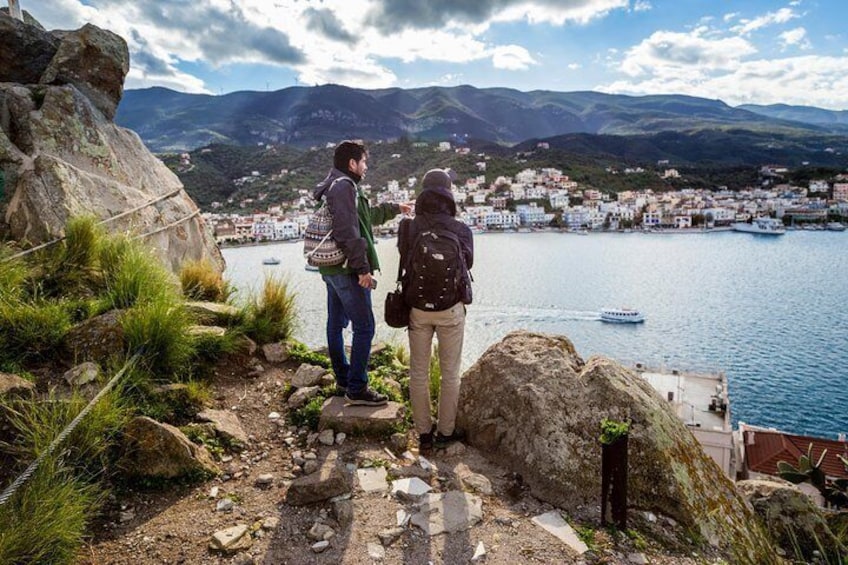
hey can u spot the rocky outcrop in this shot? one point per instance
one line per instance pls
(62, 156)
(157, 450)
(793, 520)
(533, 403)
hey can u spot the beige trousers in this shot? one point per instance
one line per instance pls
(449, 327)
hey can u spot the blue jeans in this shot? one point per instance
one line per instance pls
(349, 302)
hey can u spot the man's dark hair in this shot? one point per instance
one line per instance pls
(347, 150)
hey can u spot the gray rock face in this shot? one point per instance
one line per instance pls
(95, 61)
(793, 520)
(153, 449)
(24, 54)
(62, 156)
(533, 403)
(96, 338)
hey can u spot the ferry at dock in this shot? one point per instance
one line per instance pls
(763, 226)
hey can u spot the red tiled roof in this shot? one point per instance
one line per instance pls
(763, 449)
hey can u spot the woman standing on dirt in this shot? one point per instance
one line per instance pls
(436, 307)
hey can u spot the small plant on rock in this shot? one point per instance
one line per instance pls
(613, 430)
(834, 492)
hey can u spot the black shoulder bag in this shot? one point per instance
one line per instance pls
(396, 308)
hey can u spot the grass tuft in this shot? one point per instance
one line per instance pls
(200, 280)
(45, 521)
(86, 449)
(136, 276)
(272, 315)
(160, 330)
(31, 331)
(13, 276)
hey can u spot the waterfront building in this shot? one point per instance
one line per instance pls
(840, 191)
(760, 450)
(701, 401)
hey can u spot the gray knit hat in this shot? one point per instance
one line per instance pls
(437, 184)
(437, 178)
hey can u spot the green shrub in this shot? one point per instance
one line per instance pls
(272, 315)
(159, 329)
(31, 330)
(46, 519)
(300, 353)
(612, 430)
(309, 414)
(200, 280)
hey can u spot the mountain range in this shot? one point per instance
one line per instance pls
(170, 121)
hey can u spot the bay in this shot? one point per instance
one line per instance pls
(770, 312)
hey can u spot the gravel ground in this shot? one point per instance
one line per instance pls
(175, 525)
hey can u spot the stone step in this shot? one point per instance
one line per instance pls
(364, 420)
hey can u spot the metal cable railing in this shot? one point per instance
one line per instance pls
(23, 477)
(106, 221)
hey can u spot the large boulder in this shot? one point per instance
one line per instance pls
(25, 51)
(62, 156)
(795, 522)
(533, 403)
(95, 61)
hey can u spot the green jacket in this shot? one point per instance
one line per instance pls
(353, 232)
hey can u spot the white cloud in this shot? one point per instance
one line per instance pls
(772, 18)
(810, 80)
(574, 66)
(512, 58)
(667, 53)
(558, 13)
(642, 6)
(795, 37)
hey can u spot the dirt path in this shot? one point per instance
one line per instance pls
(175, 526)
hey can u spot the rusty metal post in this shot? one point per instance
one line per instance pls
(614, 482)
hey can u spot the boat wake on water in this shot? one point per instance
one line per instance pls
(513, 314)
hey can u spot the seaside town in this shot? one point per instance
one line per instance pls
(551, 200)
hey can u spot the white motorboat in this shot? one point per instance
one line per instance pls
(622, 315)
(764, 226)
(836, 226)
(270, 261)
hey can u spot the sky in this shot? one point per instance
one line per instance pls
(738, 51)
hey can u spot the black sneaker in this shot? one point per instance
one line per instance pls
(442, 442)
(425, 441)
(340, 391)
(368, 397)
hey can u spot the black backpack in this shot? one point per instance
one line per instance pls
(436, 274)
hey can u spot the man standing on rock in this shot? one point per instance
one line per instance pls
(349, 285)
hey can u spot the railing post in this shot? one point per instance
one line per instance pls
(15, 10)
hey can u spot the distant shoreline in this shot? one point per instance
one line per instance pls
(670, 231)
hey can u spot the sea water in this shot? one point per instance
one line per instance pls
(771, 312)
